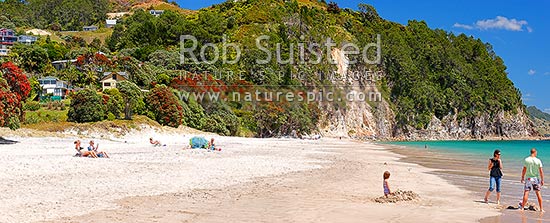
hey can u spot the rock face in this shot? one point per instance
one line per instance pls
(366, 117)
(504, 125)
(361, 120)
(373, 118)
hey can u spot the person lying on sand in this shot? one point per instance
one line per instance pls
(212, 146)
(201, 143)
(81, 152)
(93, 148)
(386, 185)
(155, 142)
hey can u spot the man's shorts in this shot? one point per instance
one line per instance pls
(532, 184)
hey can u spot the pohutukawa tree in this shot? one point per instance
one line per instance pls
(165, 106)
(14, 89)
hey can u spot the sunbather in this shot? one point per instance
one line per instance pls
(212, 146)
(81, 152)
(201, 143)
(93, 148)
(155, 142)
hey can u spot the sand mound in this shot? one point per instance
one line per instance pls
(398, 196)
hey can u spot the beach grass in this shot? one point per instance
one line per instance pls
(45, 115)
(56, 121)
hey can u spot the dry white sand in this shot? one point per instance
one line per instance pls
(40, 179)
(301, 181)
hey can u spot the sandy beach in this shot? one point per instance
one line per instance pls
(250, 180)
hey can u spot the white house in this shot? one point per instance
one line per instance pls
(27, 39)
(156, 13)
(4, 51)
(54, 86)
(90, 28)
(110, 23)
(110, 79)
(62, 64)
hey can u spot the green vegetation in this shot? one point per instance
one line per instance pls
(534, 112)
(87, 106)
(89, 36)
(54, 14)
(115, 103)
(44, 115)
(132, 96)
(427, 72)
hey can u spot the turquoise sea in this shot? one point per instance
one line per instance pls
(513, 152)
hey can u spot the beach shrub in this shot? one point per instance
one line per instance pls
(164, 106)
(62, 106)
(115, 103)
(86, 106)
(132, 97)
(32, 106)
(274, 119)
(195, 118)
(111, 117)
(220, 119)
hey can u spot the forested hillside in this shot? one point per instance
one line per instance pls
(434, 80)
(53, 14)
(69, 15)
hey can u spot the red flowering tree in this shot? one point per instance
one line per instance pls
(164, 106)
(14, 89)
(9, 107)
(18, 82)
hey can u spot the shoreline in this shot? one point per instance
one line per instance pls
(340, 190)
(468, 177)
(465, 139)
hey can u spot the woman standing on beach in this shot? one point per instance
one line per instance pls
(495, 168)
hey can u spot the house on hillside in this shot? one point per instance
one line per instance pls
(110, 79)
(62, 64)
(156, 13)
(27, 39)
(90, 28)
(54, 86)
(7, 37)
(110, 23)
(4, 51)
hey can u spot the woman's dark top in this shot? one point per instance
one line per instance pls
(495, 171)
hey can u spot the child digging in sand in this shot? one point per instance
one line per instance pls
(387, 190)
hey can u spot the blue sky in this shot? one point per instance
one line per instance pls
(518, 30)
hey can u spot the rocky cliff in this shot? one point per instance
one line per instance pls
(376, 119)
(361, 120)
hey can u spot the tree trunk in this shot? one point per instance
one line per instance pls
(128, 111)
